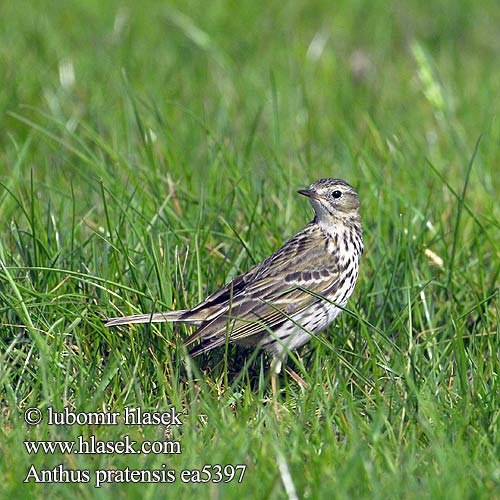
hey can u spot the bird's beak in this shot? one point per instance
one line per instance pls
(310, 194)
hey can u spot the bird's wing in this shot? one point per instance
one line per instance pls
(272, 297)
(219, 301)
(295, 254)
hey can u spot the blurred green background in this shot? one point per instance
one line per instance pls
(301, 86)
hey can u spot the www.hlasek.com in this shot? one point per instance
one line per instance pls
(93, 446)
(90, 445)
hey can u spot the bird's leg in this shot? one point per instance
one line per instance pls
(275, 371)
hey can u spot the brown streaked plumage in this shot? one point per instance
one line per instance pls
(277, 304)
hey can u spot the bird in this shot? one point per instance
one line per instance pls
(295, 293)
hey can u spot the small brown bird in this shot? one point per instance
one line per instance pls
(296, 291)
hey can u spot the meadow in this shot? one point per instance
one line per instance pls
(151, 152)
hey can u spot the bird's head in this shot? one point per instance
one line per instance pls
(332, 200)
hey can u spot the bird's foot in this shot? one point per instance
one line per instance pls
(300, 381)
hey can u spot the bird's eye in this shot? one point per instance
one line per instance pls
(337, 194)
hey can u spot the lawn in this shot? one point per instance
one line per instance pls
(149, 152)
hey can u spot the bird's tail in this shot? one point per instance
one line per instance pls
(182, 316)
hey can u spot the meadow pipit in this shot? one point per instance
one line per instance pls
(293, 293)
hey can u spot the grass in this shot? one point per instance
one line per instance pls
(150, 153)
